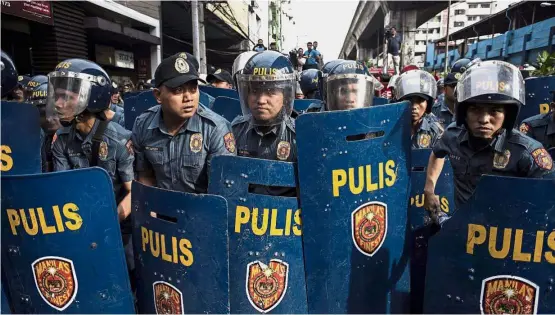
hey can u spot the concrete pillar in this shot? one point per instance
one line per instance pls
(363, 53)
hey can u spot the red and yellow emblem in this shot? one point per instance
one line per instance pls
(524, 128)
(283, 150)
(229, 142)
(369, 225)
(167, 298)
(508, 295)
(542, 159)
(195, 144)
(266, 284)
(56, 281)
(424, 140)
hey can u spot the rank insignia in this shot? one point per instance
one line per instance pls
(424, 140)
(542, 159)
(500, 161)
(103, 151)
(524, 128)
(508, 295)
(283, 150)
(229, 142)
(266, 284)
(196, 143)
(167, 298)
(55, 280)
(369, 227)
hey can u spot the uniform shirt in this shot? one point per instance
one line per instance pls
(118, 116)
(540, 127)
(516, 156)
(428, 134)
(442, 111)
(72, 151)
(181, 162)
(46, 151)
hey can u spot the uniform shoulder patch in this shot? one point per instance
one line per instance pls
(542, 159)
(229, 142)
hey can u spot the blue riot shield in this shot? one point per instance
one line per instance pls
(228, 108)
(20, 139)
(136, 106)
(537, 97)
(380, 101)
(496, 254)
(266, 270)
(354, 181)
(5, 307)
(218, 92)
(420, 222)
(180, 247)
(302, 105)
(61, 244)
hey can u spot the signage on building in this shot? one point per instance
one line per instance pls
(38, 11)
(124, 59)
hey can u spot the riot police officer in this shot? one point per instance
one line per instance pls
(175, 141)
(309, 83)
(440, 87)
(115, 112)
(482, 141)
(18, 93)
(322, 77)
(37, 94)
(78, 94)
(9, 74)
(444, 107)
(541, 127)
(419, 87)
(349, 85)
(220, 79)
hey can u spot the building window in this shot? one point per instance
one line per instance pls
(459, 12)
(459, 24)
(472, 6)
(472, 18)
(484, 5)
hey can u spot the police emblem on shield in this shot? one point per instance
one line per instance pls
(56, 281)
(505, 294)
(266, 284)
(369, 227)
(167, 298)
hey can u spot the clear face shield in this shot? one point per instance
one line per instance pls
(349, 91)
(268, 99)
(415, 82)
(68, 94)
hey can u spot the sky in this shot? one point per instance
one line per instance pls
(324, 21)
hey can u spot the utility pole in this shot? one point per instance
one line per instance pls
(202, 39)
(447, 38)
(196, 39)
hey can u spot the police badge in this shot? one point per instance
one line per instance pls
(103, 151)
(369, 227)
(196, 143)
(55, 280)
(424, 140)
(181, 65)
(167, 298)
(500, 161)
(266, 284)
(283, 150)
(508, 295)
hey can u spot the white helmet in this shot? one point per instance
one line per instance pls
(241, 61)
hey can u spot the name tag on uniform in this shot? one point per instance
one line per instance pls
(153, 149)
(74, 154)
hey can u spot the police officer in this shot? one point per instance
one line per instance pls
(541, 127)
(220, 79)
(115, 111)
(309, 83)
(419, 87)
(440, 87)
(444, 107)
(9, 74)
(19, 92)
(322, 77)
(349, 85)
(37, 94)
(482, 141)
(175, 141)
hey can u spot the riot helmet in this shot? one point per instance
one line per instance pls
(349, 86)
(409, 68)
(240, 62)
(266, 88)
(77, 85)
(416, 83)
(392, 81)
(9, 74)
(323, 75)
(309, 82)
(440, 83)
(36, 92)
(491, 82)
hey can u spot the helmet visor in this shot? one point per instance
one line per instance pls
(491, 79)
(415, 82)
(349, 91)
(267, 99)
(68, 94)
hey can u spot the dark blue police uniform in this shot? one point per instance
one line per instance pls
(540, 127)
(428, 134)
(444, 115)
(118, 116)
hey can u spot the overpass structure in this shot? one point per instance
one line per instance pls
(366, 32)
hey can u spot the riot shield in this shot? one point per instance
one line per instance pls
(180, 247)
(218, 92)
(380, 101)
(420, 222)
(354, 181)
(129, 95)
(5, 307)
(302, 105)
(496, 254)
(266, 270)
(228, 108)
(135, 106)
(537, 97)
(20, 139)
(61, 244)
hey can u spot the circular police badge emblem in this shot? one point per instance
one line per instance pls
(369, 227)
(542, 159)
(229, 142)
(507, 294)
(500, 161)
(524, 128)
(266, 284)
(55, 280)
(196, 143)
(167, 298)
(283, 150)
(103, 151)
(181, 65)
(424, 140)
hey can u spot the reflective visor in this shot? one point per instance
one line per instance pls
(68, 94)
(349, 91)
